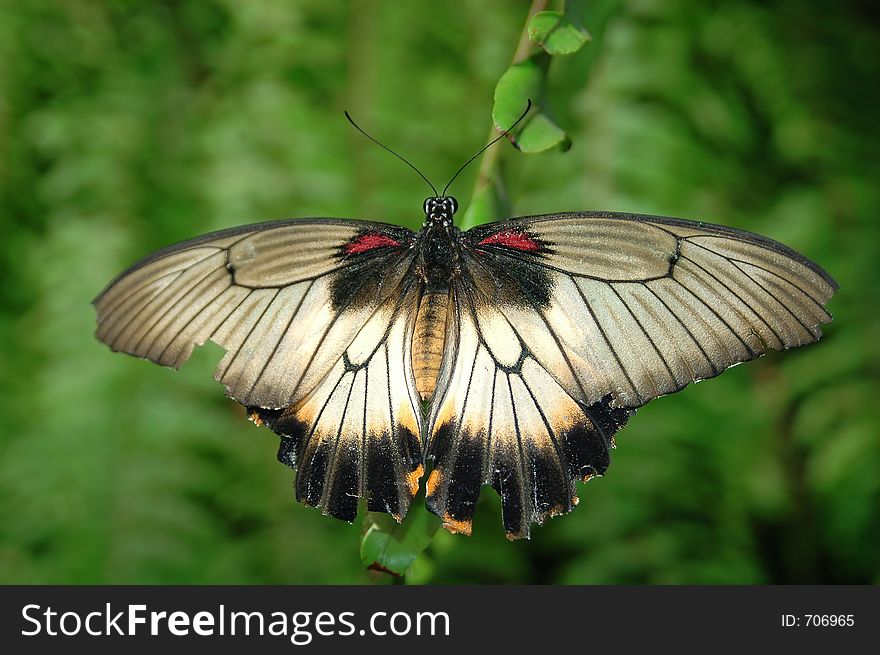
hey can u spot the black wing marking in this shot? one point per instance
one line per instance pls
(635, 307)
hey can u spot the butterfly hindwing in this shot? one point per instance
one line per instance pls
(357, 434)
(503, 420)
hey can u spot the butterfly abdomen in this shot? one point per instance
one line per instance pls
(428, 340)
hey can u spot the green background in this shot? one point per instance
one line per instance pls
(125, 126)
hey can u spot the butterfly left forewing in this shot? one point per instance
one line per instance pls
(281, 298)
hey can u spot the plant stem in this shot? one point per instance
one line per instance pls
(487, 173)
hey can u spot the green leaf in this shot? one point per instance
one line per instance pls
(392, 547)
(556, 34)
(519, 84)
(540, 133)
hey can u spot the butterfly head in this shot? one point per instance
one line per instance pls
(439, 210)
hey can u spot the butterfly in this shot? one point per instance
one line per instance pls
(507, 355)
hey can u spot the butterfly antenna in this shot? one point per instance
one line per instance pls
(382, 145)
(491, 143)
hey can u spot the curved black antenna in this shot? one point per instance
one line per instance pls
(381, 145)
(491, 143)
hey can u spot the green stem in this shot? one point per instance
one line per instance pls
(488, 173)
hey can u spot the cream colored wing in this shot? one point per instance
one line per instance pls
(636, 307)
(316, 317)
(501, 419)
(358, 433)
(283, 299)
(565, 324)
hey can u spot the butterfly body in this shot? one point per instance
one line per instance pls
(428, 341)
(506, 355)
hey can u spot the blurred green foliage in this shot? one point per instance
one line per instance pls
(126, 126)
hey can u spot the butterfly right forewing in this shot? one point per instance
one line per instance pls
(643, 305)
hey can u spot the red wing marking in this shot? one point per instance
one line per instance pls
(516, 239)
(369, 241)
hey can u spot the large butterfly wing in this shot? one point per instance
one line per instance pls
(315, 317)
(579, 318)
(357, 434)
(501, 418)
(643, 305)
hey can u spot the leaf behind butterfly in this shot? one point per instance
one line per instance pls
(392, 547)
